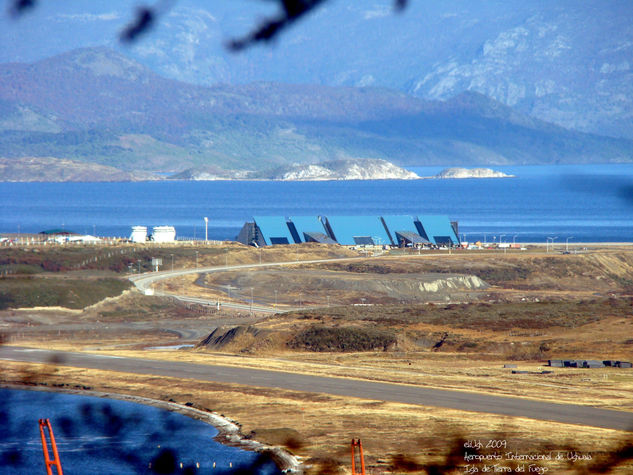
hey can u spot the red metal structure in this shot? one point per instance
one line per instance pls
(357, 443)
(46, 424)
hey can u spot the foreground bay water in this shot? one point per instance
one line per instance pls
(96, 435)
(582, 203)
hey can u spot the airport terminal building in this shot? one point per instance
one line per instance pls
(395, 230)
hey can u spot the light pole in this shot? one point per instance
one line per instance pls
(206, 229)
(567, 243)
(547, 245)
(514, 239)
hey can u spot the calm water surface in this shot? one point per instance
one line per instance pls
(96, 435)
(582, 203)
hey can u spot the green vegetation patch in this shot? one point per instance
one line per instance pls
(341, 339)
(69, 293)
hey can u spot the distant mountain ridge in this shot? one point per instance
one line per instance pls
(96, 105)
(564, 62)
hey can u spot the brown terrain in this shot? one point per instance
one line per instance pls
(429, 319)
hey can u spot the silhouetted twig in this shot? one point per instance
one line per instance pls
(144, 21)
(21, 6)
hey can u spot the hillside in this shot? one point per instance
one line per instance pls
(95, 105)
(564, 62)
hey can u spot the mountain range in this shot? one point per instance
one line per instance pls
(97, 105)
(564, 62)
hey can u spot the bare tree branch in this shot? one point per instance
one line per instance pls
(21, 6)
(146, 18)
(144, 21)
(293, 10)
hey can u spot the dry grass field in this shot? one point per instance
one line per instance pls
(376, 319)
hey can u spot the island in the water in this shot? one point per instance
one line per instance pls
(63, 170)
(457, 172)
(350, 169)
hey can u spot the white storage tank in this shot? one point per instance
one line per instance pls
(139, 234)
(164, 234)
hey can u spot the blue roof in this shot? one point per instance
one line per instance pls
(437, 229)
(307, 224)
(318, 237)
(274, 229)
(401, 223)
(351, 230)
(410, 236)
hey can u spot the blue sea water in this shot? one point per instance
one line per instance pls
(585, 203)
(96, 435)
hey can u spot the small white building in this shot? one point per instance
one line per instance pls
(86, 238)
(139, 234)
(164, 234)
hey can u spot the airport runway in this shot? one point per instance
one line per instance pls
(460, 400)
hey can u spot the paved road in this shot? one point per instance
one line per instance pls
(566, 413)
(143, 282)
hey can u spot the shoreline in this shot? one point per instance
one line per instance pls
(229, 432)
